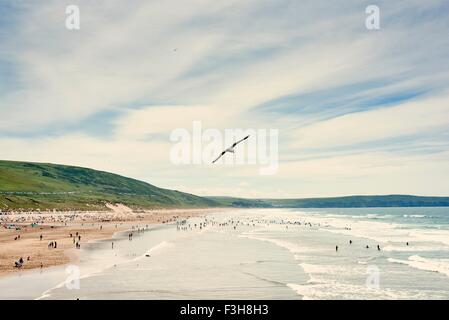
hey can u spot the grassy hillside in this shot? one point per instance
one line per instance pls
(49, 186)
(26, 185)
(337, 202)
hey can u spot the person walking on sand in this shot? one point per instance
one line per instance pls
(40, 237)
(112, 245)
(378, 248)
(336, 248)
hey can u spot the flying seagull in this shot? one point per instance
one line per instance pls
(230, 149)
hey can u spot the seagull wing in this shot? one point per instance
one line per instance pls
(221, 154)
(236, 143)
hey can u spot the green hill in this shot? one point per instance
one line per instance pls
(337, 202)
(49, 186)
(27, 185)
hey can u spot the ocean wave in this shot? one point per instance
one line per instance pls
(374, 216)
(360, 216)
(441, 236)
(416, 216)
(426, 264)
(325, 282)
(412, 248)
(383, 231)
(338, 290)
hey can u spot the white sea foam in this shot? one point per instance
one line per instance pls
(326, 282)
(441, 236)
(416, 216)
(413, 248)
(382, 231)
(339, 290)
(418, 262)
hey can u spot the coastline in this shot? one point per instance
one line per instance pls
(56, 227)
(265, 254)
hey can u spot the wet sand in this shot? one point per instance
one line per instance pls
(57, 226)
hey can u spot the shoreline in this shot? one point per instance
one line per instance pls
(20, 233)
(295, 251)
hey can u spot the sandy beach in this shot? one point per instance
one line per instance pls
(230, 254)
(20, 232)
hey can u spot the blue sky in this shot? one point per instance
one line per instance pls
(358, 111)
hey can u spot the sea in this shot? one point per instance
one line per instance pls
(319, 254)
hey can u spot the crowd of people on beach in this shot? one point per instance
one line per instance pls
(23, 221)
(186, 225)
(182, 224)
(51, 245)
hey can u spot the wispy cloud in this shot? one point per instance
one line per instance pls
(367, 108)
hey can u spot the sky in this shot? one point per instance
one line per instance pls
(357, 111)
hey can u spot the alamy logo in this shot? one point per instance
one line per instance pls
(373, 279)
(72, 20)
(233, 147)
(372, 21)
(72, 281)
